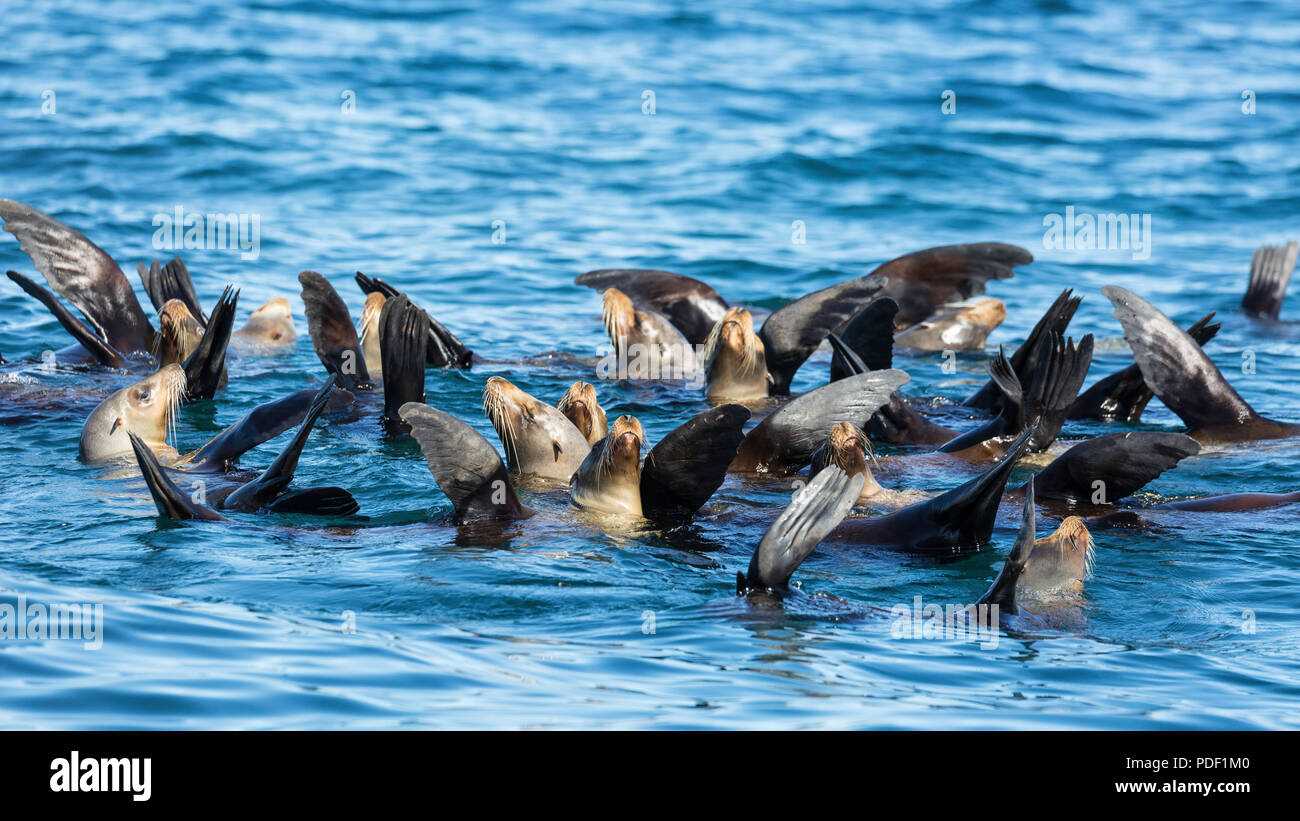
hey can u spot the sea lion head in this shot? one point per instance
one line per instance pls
(620, 317)
(369, 332)
(271, 324)
(735, 365)
(145, 408)
(1059, 564)
(580, 407)
(537, 438)
(609, 479)
(178, 333)
(847, 447)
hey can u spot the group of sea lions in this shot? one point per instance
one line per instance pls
(675, 325)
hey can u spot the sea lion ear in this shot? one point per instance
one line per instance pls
(558, 450)
(689, 464)
(465, 466)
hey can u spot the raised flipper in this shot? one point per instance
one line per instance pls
(813, 512)
(1175, 367)
(1270, 272)
(851, 363)
(467, 468)
(261, 424)
(1009, 421)
(924, 281)
(692, 306)
(1003, 590)
(170, 500)
(171, 281)
(404, 335)
(964, 516)
(80, 331)
(207, 365)
(787, 438)
(80, 272)
(898, 423)
(1059, 372)
(1024, 360)
(792, 333)
(1114, 466)
(690, 463)
(276, 478)
(332, 333)
(870, 334)
(1123, 395)
(444, 349)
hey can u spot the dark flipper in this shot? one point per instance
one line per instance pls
(786, 439)
(1009, 421)
(898, 423)
(963, 517)
(1024, 360)
(171, 281)
(264, 489)
(1270, 272)
(689, 304)
(83, 333)
(261, 424)
(871, 336)
(465, 466)
(1003, 590)
(403, 335)
(851, 364)
(444, 349)
(1175, 367)
(207, 365)
(170, 500)
(1059, 372)
(316, 501)
(814, 511)
(1114, 466)
(690, 463)
(792, 333)
(924, 281)
(332, 332)
(80, 272)
(1122, 396)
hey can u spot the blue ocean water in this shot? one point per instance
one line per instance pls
(480, 155)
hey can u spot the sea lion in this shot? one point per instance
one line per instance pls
(676, 480)
(537, 438)
(813, 512)
(1042, 574)
(735, 361)
(609, 478)
(961, 329)
(178, 333)
(961, 519)
(579, 406)
(678, 477)
(847, 448)
(921, 282)
(1184, 377)
(270, 325)
(444, 349)
(646, 344)
(168, 282)
(785, 440)
(1270, 273)
(267, 492)
(368, 332)
(145, 408)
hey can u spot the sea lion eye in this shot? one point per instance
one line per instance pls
(143, 394)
